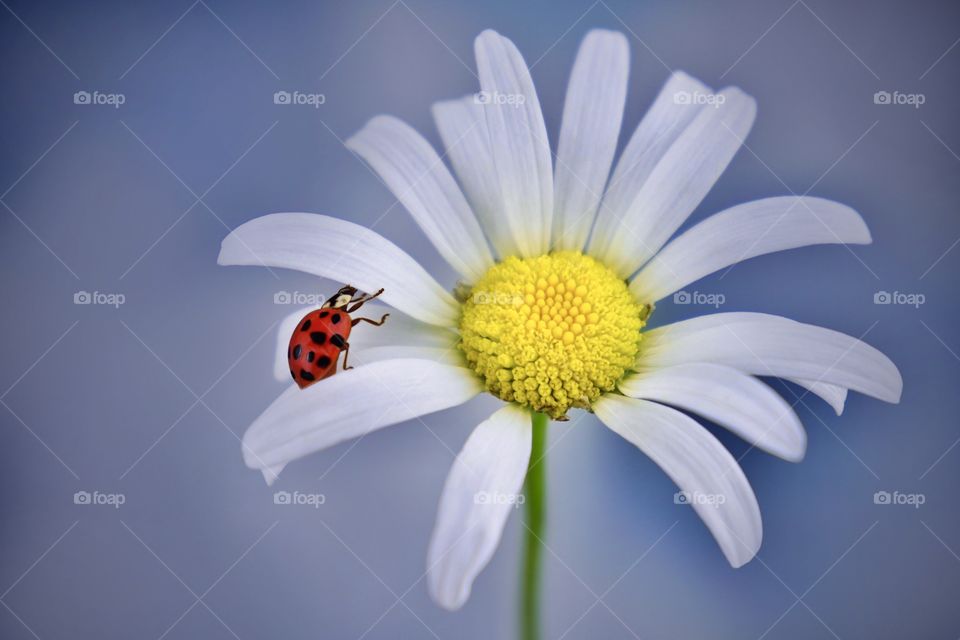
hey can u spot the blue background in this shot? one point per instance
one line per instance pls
(149, 400)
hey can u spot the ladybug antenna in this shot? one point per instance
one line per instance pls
(359, 301)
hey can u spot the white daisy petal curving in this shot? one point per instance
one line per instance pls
(732, 399)
(698, 463)
(342, 251)
(463, 127)
(835, 396)
(352, 403)
(670, 114)
(745, 231)
(418, 178)
(768, 345)
(518, 142)
(479, 495)
(679, 181)
(588, 136)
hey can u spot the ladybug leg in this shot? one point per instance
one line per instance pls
(346, 354)
(359, 302)
(356, 321)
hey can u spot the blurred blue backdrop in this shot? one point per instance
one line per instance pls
(144, 402)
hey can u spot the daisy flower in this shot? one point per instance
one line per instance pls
(562, 259)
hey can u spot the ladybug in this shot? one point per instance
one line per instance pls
(322, 334)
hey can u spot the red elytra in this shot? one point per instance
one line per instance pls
(322, 334)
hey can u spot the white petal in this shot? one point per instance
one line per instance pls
(588, 136)
(463, 128)
(769, 345)
(400, 337)
(477, 499)
(732, 399)
(518, 141)
(270, 474)
(660, 127)
(684, 175)
(418, 178)
(451, 355)
(350, 404)
(745, 231)
(835, 396)
(344, 252)
(398, 330)
(698, 463)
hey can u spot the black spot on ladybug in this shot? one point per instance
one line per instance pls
(310, 356)
(324, 314)
(306, 325)
(297, 350)
(306, 375)
(337, 341)
(335, 319)
(318, 337)
(293, 374)
(323, 362)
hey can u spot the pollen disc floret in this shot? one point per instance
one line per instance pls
(551, 332)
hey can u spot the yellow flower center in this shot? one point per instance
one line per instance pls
(551, 332)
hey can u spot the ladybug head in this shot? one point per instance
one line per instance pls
(341, 298)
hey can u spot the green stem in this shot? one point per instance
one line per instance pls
(535, 494)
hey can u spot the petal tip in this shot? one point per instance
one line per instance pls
(485, 38)
(226, 248)
(795, 454)
(739, 560)
(449, 600)
(614, 38)
(269, 476)
(894, 385)
(743, 551)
